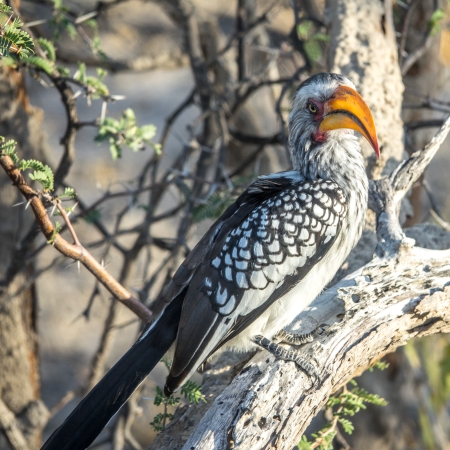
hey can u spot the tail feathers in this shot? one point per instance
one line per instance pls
(88, 419)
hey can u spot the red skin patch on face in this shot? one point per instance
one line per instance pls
(318, 136)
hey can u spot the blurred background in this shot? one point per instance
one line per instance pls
(215, 79)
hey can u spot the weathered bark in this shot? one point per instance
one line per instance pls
(22, 414)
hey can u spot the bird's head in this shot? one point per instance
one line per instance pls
(326, 107)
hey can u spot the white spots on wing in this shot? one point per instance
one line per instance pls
(228, 273)
(228, 239)
(241, 280)
(327, 239)
(311, 240)
(307, 221)
(304, 234)
(338, 207)
(298, 218)
(288, 240)
(275, 224)
(318, 194)
(228, 307)
(278, 202)
(241, 265)
(274, 246)
(308, 251)
(316, 227)
(221, 297)
(228, 260)
(243, 242)
(271, 273)
(261, 233)
(208, 282)
(258, 249)
(276, 257)
(286, 198)
(258, 280)
(326, 215)
(245, 224)
(288, 206)
(318, 211)
(216, 262)
(290, 227)
(234, 254)
(293, 250)
(245, 254)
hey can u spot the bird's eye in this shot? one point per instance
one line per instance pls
(312, 107)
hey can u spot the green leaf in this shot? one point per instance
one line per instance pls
(48, 48)
(304, 444)
(63, 71)
(8, 148)
(435, 22)
(42, 173)
(40, 63)
(159, 396)
(193, 392)
(56, 231)
(346, 425)
(214, 207)
(68, 193)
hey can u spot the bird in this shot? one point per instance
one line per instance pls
(260, 264)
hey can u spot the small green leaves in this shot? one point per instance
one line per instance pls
(193, 392)
(95, 86)
(13, 40)
(159, 420)
(435, 22)
(345, 404)
(48, 48)
(214, 206)
(311, 40)
(42, 173)
(8, 148)
(126, 132)
(68, 194)
(56, 231)
(40, 63)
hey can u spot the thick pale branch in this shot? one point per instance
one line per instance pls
(270, 403)
(76, 252)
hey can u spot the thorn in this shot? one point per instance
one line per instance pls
(103, 113)
(78, 266)
(18, 204)
(28, 204)
(102, 262)
(53, 210)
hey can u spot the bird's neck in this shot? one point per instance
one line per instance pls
(339, 159)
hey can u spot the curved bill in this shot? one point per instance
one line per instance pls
(347, 109)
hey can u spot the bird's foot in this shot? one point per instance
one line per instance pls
(300, 339)
(289, 355)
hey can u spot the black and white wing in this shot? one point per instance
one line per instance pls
(253, 255)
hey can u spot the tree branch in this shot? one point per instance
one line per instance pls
(76, 252)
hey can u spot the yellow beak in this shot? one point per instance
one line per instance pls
(347, 109)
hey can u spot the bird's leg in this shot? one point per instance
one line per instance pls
(300, 339)
(288, 355)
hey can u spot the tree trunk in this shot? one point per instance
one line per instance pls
(22, 413)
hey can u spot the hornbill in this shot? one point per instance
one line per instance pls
(261, 263)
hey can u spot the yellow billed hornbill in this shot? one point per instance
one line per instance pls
(265, 260)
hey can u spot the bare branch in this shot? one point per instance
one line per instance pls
(75, 252)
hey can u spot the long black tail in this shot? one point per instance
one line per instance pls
(89, 418)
